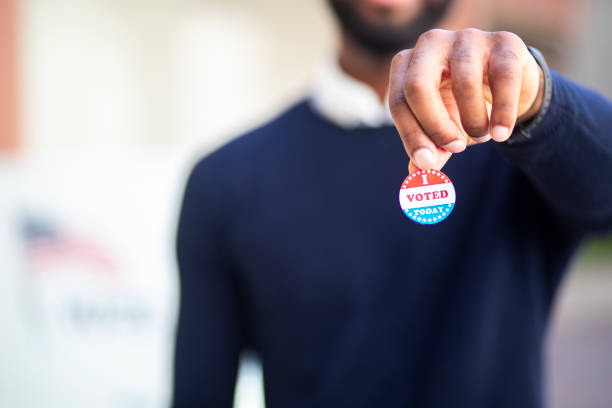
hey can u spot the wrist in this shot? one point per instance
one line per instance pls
(536, 105)
(523, 130)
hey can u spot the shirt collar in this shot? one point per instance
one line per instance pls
(345, 101)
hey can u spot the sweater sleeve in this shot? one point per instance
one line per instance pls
(568, 157)
(209, 336)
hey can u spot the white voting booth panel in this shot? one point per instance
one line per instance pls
(88, 279)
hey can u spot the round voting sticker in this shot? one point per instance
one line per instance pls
(427, 196)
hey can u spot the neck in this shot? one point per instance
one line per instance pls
(362, 65)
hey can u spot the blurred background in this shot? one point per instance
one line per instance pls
(105, 105)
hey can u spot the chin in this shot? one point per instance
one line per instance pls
(386, 26)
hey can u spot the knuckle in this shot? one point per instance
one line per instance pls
(470, 31)
(411, 137)
(505, 55)
(462, 53)
(468, 35)
(467, 46)
(506, 37)
(505, 118)
(414, 86)
(502, 103)
(431, 34)
(396, 101)
(439, 135)
(474, 128)
(400, 57)
(466, 82)
(416, 57)
(509, 45)
(505, 110)
(505, 71)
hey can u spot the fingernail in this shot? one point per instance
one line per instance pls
(500, 133)
(424, 158)
(482, 139)
(455, 146)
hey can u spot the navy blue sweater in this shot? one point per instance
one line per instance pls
(291, 242)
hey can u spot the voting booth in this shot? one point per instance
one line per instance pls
(88, 277)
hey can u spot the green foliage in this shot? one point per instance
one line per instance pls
(598, 249)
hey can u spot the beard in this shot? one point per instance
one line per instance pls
(387, 39)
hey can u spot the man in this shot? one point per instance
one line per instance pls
(291, 241)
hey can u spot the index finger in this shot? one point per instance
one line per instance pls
(422, 89)
(421, 150)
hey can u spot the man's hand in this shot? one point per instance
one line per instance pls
(457, 88)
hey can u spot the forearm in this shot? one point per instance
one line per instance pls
(568, 157)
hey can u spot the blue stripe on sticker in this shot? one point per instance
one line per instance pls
(429, 215)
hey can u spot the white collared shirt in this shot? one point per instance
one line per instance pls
(345, 101)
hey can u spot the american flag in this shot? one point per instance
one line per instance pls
(47, 245)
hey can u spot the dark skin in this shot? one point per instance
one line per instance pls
(363, 66)
(452, 90)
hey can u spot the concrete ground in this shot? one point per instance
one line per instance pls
(580, 339)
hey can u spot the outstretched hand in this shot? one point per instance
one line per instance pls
(457, 88)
